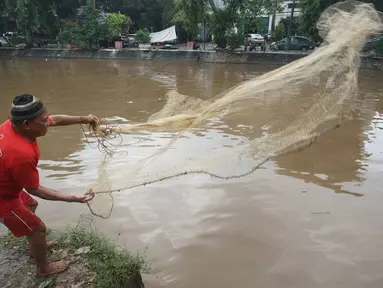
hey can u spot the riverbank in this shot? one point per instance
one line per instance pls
(96, 262)
(266, 58)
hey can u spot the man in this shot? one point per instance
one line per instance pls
(19, 156)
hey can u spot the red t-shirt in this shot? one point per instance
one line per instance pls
(18, 165)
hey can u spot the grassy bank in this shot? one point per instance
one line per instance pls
(96, 262)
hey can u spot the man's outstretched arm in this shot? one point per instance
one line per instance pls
(65, 120)
(52, 195)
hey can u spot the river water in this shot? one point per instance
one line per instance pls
(312, 219)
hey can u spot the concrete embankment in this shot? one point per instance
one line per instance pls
(267, 58)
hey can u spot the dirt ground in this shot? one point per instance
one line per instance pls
(18, 270)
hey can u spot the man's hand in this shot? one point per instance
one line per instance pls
(91, 120)
(89, 195)
(64, 120)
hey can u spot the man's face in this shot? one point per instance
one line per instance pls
(37, 127)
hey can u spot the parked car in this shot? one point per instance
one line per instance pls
(12, 34)
(3, 42)
(254, 39)
(296, 43)
(130, 41)
(163, 43)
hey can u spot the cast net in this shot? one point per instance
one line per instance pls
(283, 111)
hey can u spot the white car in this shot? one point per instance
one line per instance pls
(3, 42)
(255, 39)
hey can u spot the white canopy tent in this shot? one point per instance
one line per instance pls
(168, 34)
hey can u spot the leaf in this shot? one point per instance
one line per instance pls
(82, 250)
(47, 283)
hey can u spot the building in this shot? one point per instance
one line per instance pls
(219, 4)
(287, 6)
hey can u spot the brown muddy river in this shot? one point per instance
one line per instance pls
(288, 225)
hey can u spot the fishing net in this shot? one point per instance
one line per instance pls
(233, 134)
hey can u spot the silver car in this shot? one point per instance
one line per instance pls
(255, 39)
(3, 42)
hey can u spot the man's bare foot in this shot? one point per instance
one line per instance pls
(50, 244)
(52, 268)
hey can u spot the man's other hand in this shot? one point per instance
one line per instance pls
(89, 195)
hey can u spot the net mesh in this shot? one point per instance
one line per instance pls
(281, 112)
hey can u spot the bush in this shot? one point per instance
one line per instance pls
(117, 24)
(143, 36)
(234, 41)
(280, 31)
(374, 45)
(221, 24)
(84, 34)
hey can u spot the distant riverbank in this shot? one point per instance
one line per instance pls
(268, 58)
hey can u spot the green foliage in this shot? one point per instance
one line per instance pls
(310, 13)
(222, 23)
(143, 36)
(378, 4)
(243, 14)
(114, 267)
(294, 25)
(378, 46)
(312, 9)
(374, 45)
(69, 33)
(234, 40)
(280, 31)
(85, 34)
(26, 13)
(2, 20)
(151, 14)
(190, 13)
(117, 24)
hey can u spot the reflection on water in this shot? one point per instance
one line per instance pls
(281, 227)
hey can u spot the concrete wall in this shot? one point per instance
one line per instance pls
(172, 55)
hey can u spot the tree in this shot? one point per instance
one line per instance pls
(151, 14)
(280, 31)
(27, 15)
(2, 20)
(312, 9)
(190, 13)
(310, 13)
(377, 3)
(86, 32)
(240, 14)
(294, 25)
(222, 24)
(33, 17)
(117, 24)
(143, 36)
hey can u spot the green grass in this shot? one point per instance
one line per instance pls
(113, 266)
(10, 241)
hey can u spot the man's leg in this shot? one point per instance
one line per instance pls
(32, 204)
(22, 222)
(38, 246)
